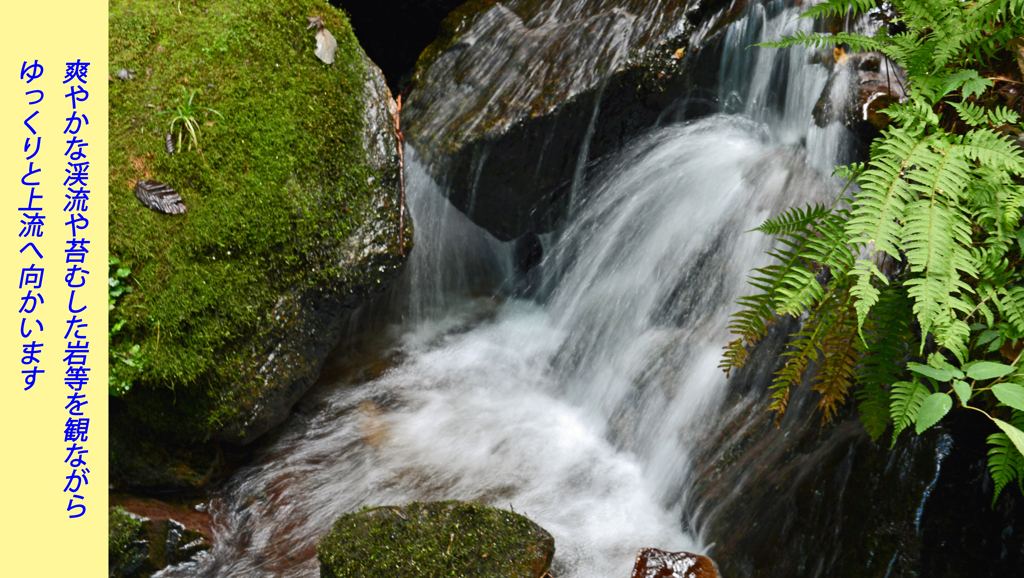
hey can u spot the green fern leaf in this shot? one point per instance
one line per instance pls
(874, 410)
(968, 81)
(1000, 115)
(864, 291)
(1006, 458)
(904, 403)
(970, 113)
(1011, 305)
(794, 221)
(1005, 463)
(838, 8)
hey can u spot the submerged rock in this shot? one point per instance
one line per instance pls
(654, 563)
(435, 539)
(513, 99)
(293, 213)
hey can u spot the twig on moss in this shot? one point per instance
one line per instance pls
(401, 178)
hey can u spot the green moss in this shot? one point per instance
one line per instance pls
(123, 529)
(208, 280)
(434, 539)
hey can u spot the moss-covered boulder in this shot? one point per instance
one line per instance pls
(435, 539)
(293, 207)
(125, 553)
(514, 98)
(140, 547)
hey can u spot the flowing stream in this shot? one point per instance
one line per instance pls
(576, 403)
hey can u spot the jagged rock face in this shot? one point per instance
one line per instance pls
(514, 98)
(432, 538)
(294, 207)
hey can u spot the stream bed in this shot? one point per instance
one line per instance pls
(577, 396)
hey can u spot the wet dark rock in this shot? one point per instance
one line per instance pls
(140, 459)
(140, 547)
(432, 539)
(160, 197)
(528, 254)
(654, 563)
(858, 89)
(512, 101)
(804, 500)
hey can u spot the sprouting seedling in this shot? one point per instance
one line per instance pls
(185, 114)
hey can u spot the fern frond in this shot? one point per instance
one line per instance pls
(863, 290)
(838, 8)
(880, 206)
(1005, 462)
(942, 20)
(829, 246)
(904, 402)
(787, 280)
(793, 221)
(993, 150)
(887, 339)
(873, 408)
(1000, 115)
(837, 371)
(968, 81)
(970, 113)
(857, 42)
(934, 239)
(1011, 305)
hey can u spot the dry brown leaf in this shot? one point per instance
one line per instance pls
(840, 55)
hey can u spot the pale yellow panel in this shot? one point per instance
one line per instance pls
(38, 539)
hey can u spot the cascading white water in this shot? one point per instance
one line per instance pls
(578, 410)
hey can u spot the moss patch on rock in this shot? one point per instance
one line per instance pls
(435, 539)
(281, 185)
(123, 531)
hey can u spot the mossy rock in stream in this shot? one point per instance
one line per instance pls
(293, 208)
(435, 539)
(124, 552)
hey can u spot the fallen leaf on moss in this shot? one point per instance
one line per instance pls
(326, 46)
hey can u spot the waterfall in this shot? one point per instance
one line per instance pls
(577, 407)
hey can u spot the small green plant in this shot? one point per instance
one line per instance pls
(122, 355)
(185, 116)
(117, 281)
